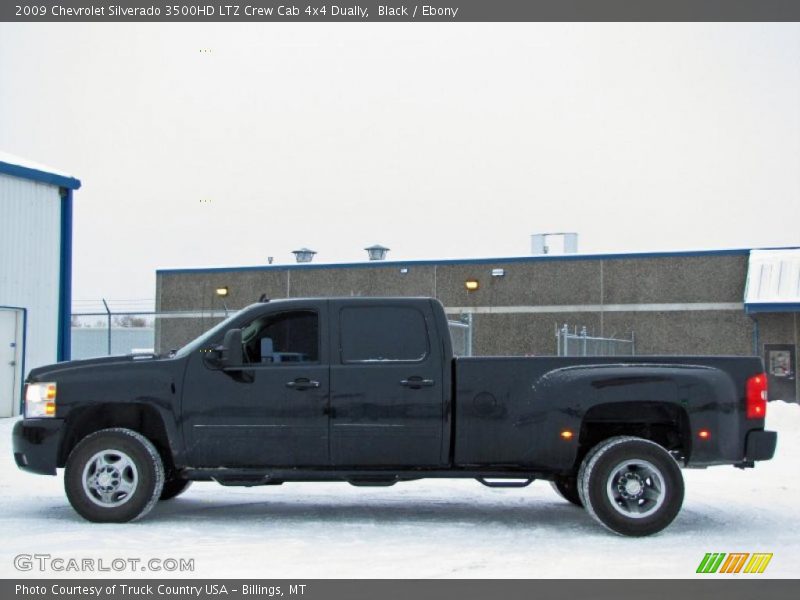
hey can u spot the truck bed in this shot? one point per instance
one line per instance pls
(512, 411)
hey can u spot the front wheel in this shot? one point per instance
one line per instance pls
(113, 476)
(630, 485)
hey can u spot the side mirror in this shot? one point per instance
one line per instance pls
(231, 355)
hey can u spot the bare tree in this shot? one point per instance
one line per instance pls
(130, 321)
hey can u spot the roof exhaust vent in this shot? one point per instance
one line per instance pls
(554, 243)
(377, 252)
(304, 255)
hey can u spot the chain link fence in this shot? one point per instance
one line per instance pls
(101, 334)
(578, 342)
(461, 335)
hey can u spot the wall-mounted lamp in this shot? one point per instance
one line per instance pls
(222, 293)
(472, 285)
(498, 272)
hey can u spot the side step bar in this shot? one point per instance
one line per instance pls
(246, 481)
(505, 483)
(497, 477)
(373, 482)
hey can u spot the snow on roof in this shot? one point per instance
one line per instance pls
(773, 281)
(29, 164)
(17, 166)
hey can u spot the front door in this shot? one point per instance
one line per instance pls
(274, 412)
(781, 371)
(387, 388)
(11, 323)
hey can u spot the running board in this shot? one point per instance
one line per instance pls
(246, 481)
(507, 483)
(367, 482)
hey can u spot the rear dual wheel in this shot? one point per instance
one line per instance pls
(631, 486)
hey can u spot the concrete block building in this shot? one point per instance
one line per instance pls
(729, 302)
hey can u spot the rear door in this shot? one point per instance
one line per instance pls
(387, 393)
(780, 361)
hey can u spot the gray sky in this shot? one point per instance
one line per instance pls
(437, 140)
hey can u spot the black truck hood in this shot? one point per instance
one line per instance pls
(46, 371)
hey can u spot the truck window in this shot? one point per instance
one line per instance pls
(289, 337)
(382, 334)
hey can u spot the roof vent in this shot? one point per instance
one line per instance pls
(304, 255)
(554, 243)
(377, 252)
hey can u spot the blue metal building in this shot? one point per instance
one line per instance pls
(35, 271)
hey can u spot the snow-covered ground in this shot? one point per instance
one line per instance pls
(418, 529)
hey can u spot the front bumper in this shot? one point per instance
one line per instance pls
(36, 443)
(760, 445)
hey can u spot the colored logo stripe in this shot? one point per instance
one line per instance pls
(734, 562)
(713, 562)
(758, 563)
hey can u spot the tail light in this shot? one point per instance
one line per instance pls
(756, 396)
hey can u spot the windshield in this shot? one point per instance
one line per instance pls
(206, 337)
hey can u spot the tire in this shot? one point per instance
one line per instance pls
(174, 487)
(113, 476)
(631, 486)
(567, 488)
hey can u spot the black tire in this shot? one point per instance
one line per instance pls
(631, 486)
(567, 488)
(174, 487)
(113, 476)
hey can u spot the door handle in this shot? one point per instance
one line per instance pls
(416, 383)
(301, 384)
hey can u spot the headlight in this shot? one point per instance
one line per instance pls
(40, 400)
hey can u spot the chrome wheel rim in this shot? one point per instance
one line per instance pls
(636, 488)
(110, 478)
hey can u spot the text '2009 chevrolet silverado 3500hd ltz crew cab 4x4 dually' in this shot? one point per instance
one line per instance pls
(367, 391)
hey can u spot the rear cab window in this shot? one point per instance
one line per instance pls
(382, 334)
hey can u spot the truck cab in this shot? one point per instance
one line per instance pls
(320, 383)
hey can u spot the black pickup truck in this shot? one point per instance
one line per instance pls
(367, 391)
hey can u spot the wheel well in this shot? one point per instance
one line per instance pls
(661, 422)
(138, 417)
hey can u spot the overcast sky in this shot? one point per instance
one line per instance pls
(224, 144)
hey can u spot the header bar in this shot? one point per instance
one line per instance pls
(461, 11)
